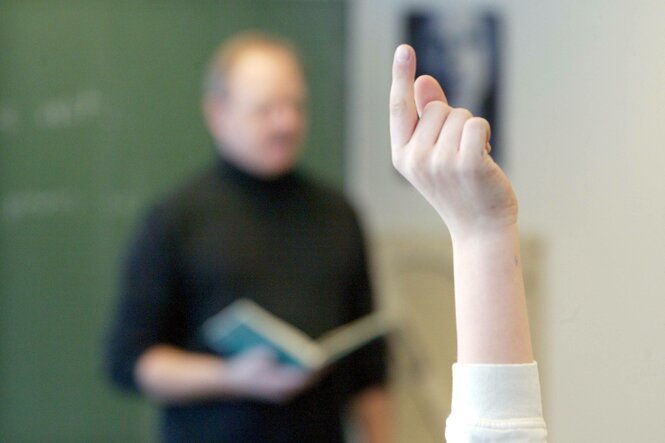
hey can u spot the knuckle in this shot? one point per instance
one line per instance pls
(435, 106)
(445, 166)
(397, 161)
(477, 123)
(417, 165)
(437, 169)
(462, 113)
(398, 105)
(467, 167)
(470, 167)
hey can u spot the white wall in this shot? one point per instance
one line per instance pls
(584, 114)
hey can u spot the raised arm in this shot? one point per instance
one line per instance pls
(444, 153)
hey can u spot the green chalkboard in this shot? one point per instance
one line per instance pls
(99, 114)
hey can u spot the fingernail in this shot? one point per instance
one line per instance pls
(403, 54)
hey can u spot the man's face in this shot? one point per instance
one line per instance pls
(260, 122)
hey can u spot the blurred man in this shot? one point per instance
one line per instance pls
(250, 227)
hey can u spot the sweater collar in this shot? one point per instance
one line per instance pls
(229, 171)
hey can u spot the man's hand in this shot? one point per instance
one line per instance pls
(443, 152)
(175, 376)
(256, 374)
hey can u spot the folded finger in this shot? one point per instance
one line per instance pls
(427, 90)
(451, 133)
(429, 126)
(474, 144)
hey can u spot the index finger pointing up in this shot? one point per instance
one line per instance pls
(403, 115)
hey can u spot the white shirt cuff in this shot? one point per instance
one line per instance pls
(496, 392)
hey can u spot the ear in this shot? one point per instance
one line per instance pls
(209, 107)
(213, 109)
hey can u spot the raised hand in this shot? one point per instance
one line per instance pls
(444, 153)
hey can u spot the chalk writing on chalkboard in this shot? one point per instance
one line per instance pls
(17, 206)
(69, 110)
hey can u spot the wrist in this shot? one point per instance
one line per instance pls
(225, 383)
(486, 233)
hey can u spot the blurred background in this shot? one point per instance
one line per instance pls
(100, 115)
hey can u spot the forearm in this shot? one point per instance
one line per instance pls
(374, 410)
(492, 320)
(171, 375)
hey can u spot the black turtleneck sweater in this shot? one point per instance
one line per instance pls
(292, 246)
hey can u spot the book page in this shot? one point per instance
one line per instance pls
(351, 336)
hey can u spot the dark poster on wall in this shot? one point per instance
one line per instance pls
(461, 49)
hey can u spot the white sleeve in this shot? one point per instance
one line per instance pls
(496, 403)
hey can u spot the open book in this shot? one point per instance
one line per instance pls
(244, 325)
